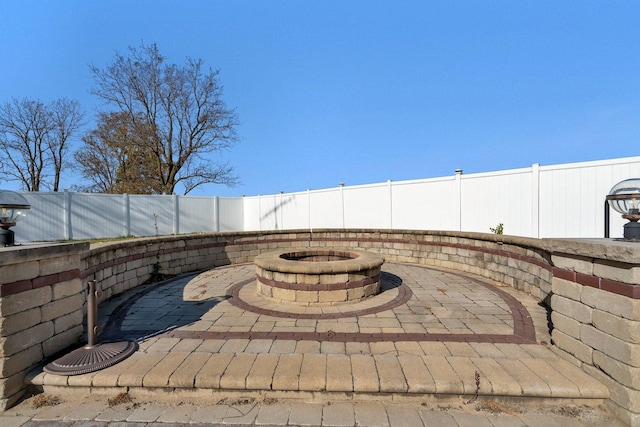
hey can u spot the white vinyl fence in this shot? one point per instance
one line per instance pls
(540, 201)
(66, 215)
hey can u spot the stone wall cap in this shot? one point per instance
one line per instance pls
(39, 251)
(594, 248)
(607, 249)
(361, 260)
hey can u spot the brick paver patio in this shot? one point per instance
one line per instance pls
(431, 334)
(417, 304)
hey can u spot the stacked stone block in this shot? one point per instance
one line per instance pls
(41, 309)
(318, 276)
(120, 266)
(596, 320)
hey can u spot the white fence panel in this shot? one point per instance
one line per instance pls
(326, 209)
(269, 215)
(151, 215)
(366, 206)
(45, 220)
(294, 209)
(92, 214)
(230, 214)
(425, 204)
(572, 197)
(251, 207)
(493, 198)
(196, 214)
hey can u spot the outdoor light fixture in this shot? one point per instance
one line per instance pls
(624, 197)
(13, 208)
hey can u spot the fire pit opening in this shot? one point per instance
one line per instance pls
(322, 276)
(318, 256)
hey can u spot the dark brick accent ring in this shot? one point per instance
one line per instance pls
(389, 281)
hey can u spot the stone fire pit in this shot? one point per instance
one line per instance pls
(319, 276)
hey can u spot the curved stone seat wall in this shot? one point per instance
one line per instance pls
(518, 262)
(591, 286)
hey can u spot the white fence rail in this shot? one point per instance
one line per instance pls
(540, 201)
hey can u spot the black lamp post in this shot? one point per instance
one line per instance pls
(13, 208)
(624, 198)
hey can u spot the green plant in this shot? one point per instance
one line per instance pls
(156, 274)
(498, 230)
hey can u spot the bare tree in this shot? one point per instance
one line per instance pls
(178, 113)
(34, 140)
(24, 126)
(66, 119)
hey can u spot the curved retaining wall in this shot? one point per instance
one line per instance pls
(519, 262)
(591, 287)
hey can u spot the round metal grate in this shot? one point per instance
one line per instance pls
(91, 358)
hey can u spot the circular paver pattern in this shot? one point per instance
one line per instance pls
(417, 303)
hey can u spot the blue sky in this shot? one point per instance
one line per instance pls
(363, 91)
